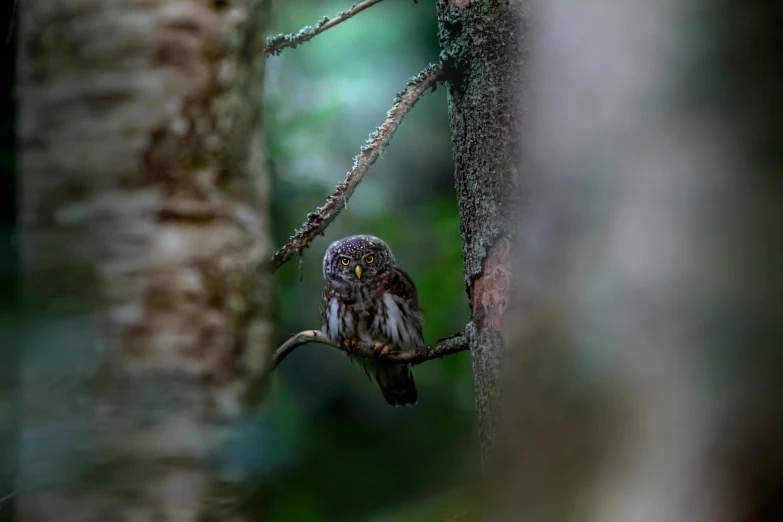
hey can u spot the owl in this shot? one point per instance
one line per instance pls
(367, 297)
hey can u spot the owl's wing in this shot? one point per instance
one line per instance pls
(402, 287)
(324, 307)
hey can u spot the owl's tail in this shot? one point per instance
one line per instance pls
(397, 384)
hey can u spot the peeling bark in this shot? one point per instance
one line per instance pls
(490, 291)
(483, 44)
(139, 131)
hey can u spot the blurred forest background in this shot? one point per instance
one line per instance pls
(344, 455)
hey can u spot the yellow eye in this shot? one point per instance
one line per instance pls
(369, 260)
(345, 261)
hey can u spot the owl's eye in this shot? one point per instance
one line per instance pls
(345, 261)
(369, 260)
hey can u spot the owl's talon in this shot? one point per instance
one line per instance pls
(350, 344)
(380, 350)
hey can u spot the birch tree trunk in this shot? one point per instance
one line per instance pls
(140, 151)
(484, 43)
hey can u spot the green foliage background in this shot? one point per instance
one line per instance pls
(338, 452)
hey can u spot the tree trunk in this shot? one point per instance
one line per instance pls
(140, 152)
(483, 43)
(650, 388)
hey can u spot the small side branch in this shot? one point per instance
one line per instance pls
(275, 44)
(449, 345)
(318, 221)
(4, 499)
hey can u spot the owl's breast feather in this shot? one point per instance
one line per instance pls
(333, 318)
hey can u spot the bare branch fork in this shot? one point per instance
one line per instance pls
(275, 44)
(438, 350)
(318, 221)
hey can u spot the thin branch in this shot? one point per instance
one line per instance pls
(449, 345)
(318, 221)
(275, 44)
(7, 497)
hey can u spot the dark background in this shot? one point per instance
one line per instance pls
(345, 455)
(8, 261)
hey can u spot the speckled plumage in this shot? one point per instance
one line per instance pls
(380, 307)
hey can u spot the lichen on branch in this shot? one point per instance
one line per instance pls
(318, 220)
(275, 44)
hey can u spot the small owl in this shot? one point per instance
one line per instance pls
(367, 297)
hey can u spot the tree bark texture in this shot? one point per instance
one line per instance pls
(483, 43)
(140, 141)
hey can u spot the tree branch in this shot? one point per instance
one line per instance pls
(275, 44)
(447, 346)
(318, 221)
(7, 497)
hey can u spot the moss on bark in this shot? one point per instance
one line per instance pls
(483, 42)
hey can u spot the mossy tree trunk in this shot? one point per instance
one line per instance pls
(484, 43)
(139, 141)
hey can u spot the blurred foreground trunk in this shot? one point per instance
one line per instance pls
(139, 141)
(650, 383)
(484, 43)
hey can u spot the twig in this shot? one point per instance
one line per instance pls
(449, 345)
(275, 44)
(7, 497)
(318, 221)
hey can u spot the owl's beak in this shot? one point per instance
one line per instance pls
(358, 271)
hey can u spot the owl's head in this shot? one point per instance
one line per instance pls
(357, 259)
